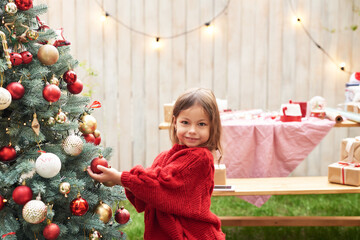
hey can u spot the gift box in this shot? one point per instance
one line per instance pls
(168, 112)
(220, 174)
(344, 173)
(350, 150)
(353, 107)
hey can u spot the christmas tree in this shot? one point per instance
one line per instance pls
(48, 137)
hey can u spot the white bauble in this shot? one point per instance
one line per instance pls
(5, 98)
(73, 145)
(48, 165)
(34, 211)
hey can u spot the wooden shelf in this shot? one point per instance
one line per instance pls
(284, 186)
(347, 123)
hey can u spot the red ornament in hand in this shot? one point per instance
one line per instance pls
(70, 77)
(24, 4)
(7, 154)
(89, 138)
(26, 57)
(51, 231)
(76, 87)
(2, 202)
(79, 206)
(51, 93)
(98, 161)
(122, 215)
(16, 90)
(22, 194)
(16, 58)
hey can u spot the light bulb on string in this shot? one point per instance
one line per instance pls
(156, 43)
(209, 29)
(342, 66)
(297, 20)
(104, 17)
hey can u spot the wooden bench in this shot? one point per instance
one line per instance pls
(287, 186)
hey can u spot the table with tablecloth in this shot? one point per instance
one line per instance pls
(265, 147)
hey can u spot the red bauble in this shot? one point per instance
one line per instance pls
(26, 57)
(16, 58)
(76, 87)
(16, 90)
(79, 206)
(7, 154)
(22, 194)
(69, 77)
(97, 140)
(98, 161)
(24, 4)
(51, 93)
(357, 76)
(2, 202)
(89, 137)
(122, 215)
(51, 231)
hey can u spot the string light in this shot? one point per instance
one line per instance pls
(104, 17)
(160, 36)
(209, 28)
(342, 66)
(156, 43)
(299, 20)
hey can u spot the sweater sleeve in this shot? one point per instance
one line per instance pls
(136, 202)
(182, 187)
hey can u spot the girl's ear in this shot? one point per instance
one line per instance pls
(174, 122)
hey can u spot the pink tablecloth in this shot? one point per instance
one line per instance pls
(269, 148)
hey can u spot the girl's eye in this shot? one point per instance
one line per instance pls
(184, 122)
(202, 124)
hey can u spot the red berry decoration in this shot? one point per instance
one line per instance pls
(16, 90)
(98, 161)
(122, 215)
(2, 202)
(26, 57)
(76, 87)
(51, 231)
(24, 4)
(22, 194)
(79, 206)
(7, 154)
(51, 93)
(16, 58)
(89, 137)
(70, 76)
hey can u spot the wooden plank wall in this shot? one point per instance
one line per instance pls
(256, 58)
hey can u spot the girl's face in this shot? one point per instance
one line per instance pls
(193, 126)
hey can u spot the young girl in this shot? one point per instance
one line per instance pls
(175, 192)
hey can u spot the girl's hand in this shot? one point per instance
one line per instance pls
(108, 174)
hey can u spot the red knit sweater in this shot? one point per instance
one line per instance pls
(175, 193)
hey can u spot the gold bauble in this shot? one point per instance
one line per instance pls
(109, 184)
(60, 117)
(96, 133)
(54, 81)
(104, 211)
(32, 34)
(48, 54)
(34, 211)
(94, 235)
(87, 124)
(51, 121)
(64, 188)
